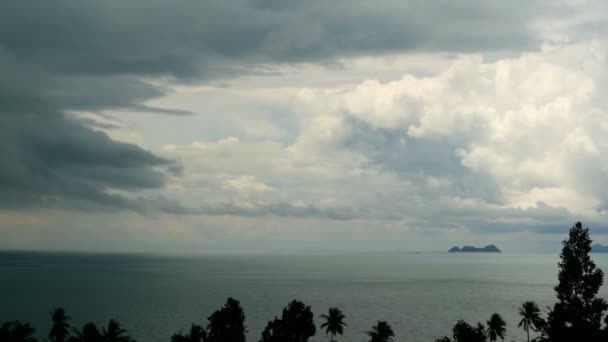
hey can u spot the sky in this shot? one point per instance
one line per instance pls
(301, 126)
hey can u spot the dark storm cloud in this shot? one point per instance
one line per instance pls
(48, 160)
(57, 56)
(91, 94)
(185, 37)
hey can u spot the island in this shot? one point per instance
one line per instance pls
(597, 248)
(487, 249)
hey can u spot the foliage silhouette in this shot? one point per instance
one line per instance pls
(464, 332)
(16, 332)
(60, 330)
(577, 316)
(273, 331)
(115, 333)
(530, 318)
(89, 333)
(381, 332)
(443, 339)
(334, 322)
(605, 332)
(228, 323)
(497, 328)
(295, 325)
(196, 334)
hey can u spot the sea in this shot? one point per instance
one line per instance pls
(421, 295)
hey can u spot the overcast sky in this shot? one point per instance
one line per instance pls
(285, 125)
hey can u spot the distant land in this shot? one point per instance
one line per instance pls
(597, 248)
(488, 249)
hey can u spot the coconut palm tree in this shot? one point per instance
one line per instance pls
(530, 314)
(496, 328)
(115, 333)
(89, 333)
(334, 322)
(381, 332)
(60, 331)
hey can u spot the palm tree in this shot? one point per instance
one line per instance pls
(530, 314)
(115, 333)
(381, 332)
(24, 332)
(60, 330)
(89, 333)
(496, 328)
(334, 322)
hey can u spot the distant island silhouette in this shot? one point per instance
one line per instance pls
(488, 248)
(597, 248)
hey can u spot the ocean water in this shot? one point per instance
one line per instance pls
(420, 295)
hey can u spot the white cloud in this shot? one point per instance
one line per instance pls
(248, 184)
(229, 140)
(533, 125)
(473, 146)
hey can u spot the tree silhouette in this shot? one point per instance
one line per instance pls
(605, 328)
(578, 313)
(298, 321)
(334, 322)
(443, 339)
(115, 333)
(6, 330)
(16, 332)
(295, 325)
(496, 328)
(179, 337)
(89, 333)
(530, 317)
(196, 334)
(60, 331)
(228, 323)
(381, 332)
(273, 331)
(464, 332)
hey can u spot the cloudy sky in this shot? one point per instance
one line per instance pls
(286, 125)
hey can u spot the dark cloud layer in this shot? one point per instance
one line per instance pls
(186, 37)
(49, 160)
(57, 56)
(281, 209)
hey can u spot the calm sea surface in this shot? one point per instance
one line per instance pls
(420, 295)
